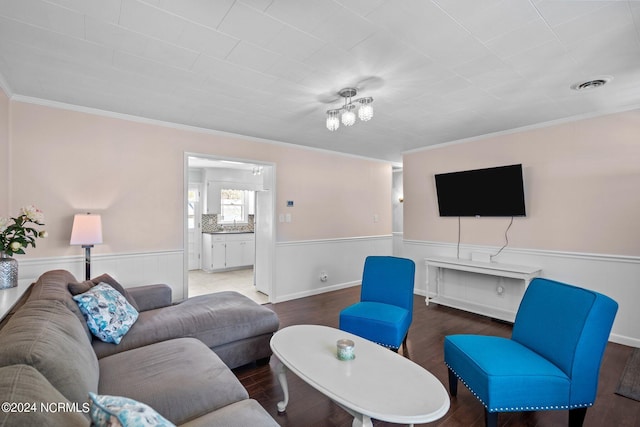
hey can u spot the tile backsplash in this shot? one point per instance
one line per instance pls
(210, 224)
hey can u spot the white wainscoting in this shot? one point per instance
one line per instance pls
(132, 269)
(297, 270)
(299, 264)
(614, 275)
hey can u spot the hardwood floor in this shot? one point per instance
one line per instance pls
(308, 408)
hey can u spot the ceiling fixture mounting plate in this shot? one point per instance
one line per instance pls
(348, 92)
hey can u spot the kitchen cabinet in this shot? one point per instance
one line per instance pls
(227, 250)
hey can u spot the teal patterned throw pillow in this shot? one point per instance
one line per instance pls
(108, 314)
(115, 411)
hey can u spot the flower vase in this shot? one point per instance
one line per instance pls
(8, 272)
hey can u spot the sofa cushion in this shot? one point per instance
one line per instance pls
(46, 335)
(160, 375)
(115, 410)
(108, 314)
(215, 319)
(22, 384)
(52, 286)
(81, 287)
(247, 412)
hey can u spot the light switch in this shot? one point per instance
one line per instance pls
(288, 217)
(281, 218)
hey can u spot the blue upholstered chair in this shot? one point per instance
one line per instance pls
(385, 310)
(552, 360)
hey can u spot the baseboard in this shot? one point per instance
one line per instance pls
(313, 292)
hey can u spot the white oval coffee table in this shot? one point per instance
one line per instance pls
(378, 383)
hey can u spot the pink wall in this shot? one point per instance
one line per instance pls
(67, 162)
(582, 185)
(4, 153)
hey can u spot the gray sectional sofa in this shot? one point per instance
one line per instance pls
(48, 357)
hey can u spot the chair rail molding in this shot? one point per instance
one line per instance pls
(613, 275)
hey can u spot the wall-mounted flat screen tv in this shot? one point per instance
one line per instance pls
(497, 191)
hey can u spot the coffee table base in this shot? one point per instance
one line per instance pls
(281, 371)
(359, 420)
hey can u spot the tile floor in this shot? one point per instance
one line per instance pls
(201, 282)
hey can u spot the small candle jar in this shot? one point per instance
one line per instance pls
(345, 349)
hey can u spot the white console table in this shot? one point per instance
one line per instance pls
(436, 265)
(10, 297)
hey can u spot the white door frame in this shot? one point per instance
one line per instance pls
(267, 258)
(197, 232)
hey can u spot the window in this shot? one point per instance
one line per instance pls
(234, 205)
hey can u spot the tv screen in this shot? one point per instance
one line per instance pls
(497, 191)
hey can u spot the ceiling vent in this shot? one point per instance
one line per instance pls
(591, 84)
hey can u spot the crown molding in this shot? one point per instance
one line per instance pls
(4, 86)
(527, 128)
(179, 126)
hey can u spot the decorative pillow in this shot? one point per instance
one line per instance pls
(121, 411)
(108, 314)
(81, 287)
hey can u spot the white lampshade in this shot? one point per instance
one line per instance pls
(87, 229)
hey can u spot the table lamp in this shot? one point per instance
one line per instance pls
(86, 231)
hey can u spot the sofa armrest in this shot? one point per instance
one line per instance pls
(149, 297)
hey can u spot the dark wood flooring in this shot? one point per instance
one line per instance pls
(308, 407)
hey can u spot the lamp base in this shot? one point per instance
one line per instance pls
(87, 261)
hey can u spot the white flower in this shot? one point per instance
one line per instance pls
(16, 234)
(34, 214)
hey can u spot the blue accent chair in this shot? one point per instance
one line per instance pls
(552, 360)
(385, 310)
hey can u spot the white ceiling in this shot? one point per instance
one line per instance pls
(439, 71)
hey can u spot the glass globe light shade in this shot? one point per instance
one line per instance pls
(348, 117)
(365, 112)
(333, 122)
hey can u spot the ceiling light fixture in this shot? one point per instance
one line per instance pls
(346, 112)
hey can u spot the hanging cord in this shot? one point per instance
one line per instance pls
(458, 247)
(506, 239)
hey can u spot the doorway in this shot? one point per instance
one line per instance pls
(229, 251)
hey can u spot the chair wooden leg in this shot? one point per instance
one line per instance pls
(405, 351)
(453, 384)
(490, 419)
(576, 417)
